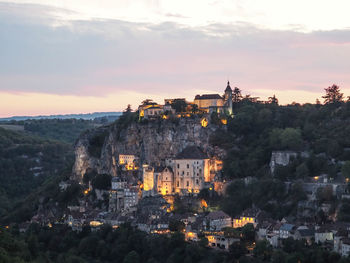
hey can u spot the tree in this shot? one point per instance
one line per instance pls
(302, 171)
(236, 95)
(263, 250)
(273, 100)
(128, 109)
(102, 182)
(132, 257)
(333, 95)
(194, 108)
(237, 249)
(179, 105)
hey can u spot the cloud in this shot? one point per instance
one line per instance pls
(42, 53)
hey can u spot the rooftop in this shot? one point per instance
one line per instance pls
(217, 215)
(192, 152)
(208, 97)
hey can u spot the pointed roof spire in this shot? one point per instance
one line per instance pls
(228, 88)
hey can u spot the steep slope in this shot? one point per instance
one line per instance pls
(152, 142)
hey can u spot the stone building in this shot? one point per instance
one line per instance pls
(149, 180)
(128, 161)
(214, 102)
(165, 181)
(191, 170)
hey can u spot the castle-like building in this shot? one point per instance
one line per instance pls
(205, 103)
(186, 173)
(214, 102)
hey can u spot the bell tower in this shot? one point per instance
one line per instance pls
(228, 98)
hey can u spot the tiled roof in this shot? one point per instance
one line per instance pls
(192, 152)
(217, 215)
(208, 97)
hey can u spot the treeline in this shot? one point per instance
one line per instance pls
(66, 130)
(256, 129)
(125, 244)
(60, 244)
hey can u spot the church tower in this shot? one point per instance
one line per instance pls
(228, 98)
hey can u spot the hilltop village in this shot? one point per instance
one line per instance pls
(162, 172)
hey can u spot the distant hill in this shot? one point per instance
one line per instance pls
(86, 116)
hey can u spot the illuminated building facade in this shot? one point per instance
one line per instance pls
(128, 161)
(191, 170)
(249, 216)
(165, 181)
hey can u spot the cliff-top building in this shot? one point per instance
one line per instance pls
(214, 102)
(206, 103)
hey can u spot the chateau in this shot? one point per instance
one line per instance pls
(206, 103)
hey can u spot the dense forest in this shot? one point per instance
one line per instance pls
(34, 155)
(127, 245)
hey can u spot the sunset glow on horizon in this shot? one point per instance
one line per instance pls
(61, 57)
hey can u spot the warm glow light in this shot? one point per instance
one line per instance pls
(224, 121)
(204, 203)
(316, 177)
(204, 122)
(95, 223)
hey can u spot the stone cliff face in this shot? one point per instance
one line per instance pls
(152, 142)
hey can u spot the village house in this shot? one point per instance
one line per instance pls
(345, 247)
(249, 216)
(305, 234)
(216, 221)
(323, 234)
(122, 197)
(286, 231)
(221, 241)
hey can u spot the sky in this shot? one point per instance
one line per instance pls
(81, 56)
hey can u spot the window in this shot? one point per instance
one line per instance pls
(188, 173)
(187, 183)
(200, 170)
(178, 166)
(178, 184)
(197, 182)
(183, 172)
(188, 166)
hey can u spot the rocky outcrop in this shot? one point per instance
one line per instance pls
(283, 158)
(152, 142)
